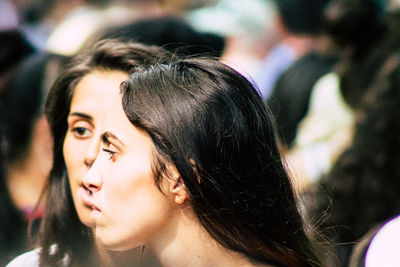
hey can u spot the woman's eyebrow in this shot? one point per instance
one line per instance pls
(79, 114)
(107, 135)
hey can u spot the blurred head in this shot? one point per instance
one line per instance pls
(302, 16)
(14, 49)
(25, 147)
(172, 33)
(22, 105)
(75, 109)
(355, 23)
(205, 128)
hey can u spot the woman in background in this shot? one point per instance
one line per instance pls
(189, 167)
(75, 109)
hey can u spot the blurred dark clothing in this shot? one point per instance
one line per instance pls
(13, 49)
(289, 100)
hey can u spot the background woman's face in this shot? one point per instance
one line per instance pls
(92, 99)
(129, 208)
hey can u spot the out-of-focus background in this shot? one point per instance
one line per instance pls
(327, 69)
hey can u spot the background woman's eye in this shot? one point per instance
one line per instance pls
(81, 132)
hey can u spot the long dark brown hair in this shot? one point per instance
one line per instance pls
(210, 122)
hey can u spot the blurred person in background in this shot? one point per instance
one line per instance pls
(35, 19)
(313, 56)
(15, 73)
(25, 150)
(299, 57)
(361, 190)
(171, 32)
(365, 38)
(247, 27)
(81, 24)
(96, 15)
(297, 24)
(61, 27)
(13, 49)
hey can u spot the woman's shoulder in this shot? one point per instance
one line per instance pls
(28, 259)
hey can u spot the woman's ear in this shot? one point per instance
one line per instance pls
(179, 191)
(177, 187)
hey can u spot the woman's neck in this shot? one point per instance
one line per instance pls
(187, 243)
(107, 258)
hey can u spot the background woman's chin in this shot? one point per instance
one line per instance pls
(84, 215)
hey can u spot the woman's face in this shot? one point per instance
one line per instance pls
(128, 208)
(92, 99)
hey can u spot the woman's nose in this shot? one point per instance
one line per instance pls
(92, 152)
(92, 180)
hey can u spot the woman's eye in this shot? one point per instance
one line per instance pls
(81, 132)
(110, 152)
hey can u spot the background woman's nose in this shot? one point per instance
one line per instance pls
(92, 152)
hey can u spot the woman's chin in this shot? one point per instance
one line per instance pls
(111, 243)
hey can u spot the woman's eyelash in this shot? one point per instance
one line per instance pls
(112, 153)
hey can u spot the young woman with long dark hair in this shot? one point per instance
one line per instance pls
(189, 166)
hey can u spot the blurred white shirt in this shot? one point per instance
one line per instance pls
(384, 249)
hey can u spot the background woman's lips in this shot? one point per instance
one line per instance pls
(85, 195)
(94, 207)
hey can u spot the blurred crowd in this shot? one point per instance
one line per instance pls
(327, 70)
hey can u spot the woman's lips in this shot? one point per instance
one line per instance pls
(85, 195)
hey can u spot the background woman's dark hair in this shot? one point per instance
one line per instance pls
(211, 123)
(60, 225)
